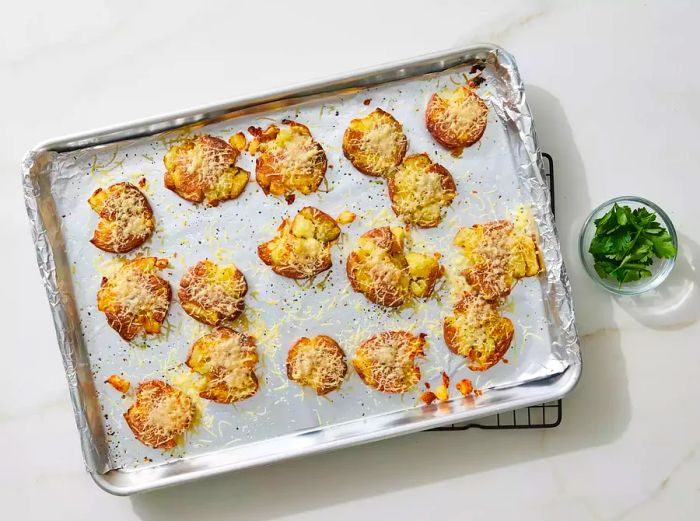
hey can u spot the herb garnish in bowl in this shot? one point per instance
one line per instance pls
(628, 245)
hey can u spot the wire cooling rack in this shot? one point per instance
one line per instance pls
(544, 416)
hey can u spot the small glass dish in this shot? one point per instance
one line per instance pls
(660, 267)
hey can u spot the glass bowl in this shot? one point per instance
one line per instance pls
(660, 267)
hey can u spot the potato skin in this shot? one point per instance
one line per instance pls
(413, 206)
(361, 146)
(204, 168)
(227, 359)
(126, 218)
(135, 299)
(477, 332)
(386, 361)
(211, 293)
(290, 159)
(150, 394)
(457, 120)
(321, 346)
(301, 248)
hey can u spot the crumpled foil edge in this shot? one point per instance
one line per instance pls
(516, 111)
(35, 165)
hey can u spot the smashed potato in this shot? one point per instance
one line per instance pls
(498, 255)
(290, 159)
(478, 332)
(375, 144)
(160, 414)
(126, 218)
(204, 168)
(386, 361)
(227, 360)
(379, 268)
(456, 119)
(419, 191)
(317, 362)
(211, 293)
(135, 299)
(302, 247)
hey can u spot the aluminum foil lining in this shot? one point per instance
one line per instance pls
(494, 178)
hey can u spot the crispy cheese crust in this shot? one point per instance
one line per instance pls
(227, 359)
(478, 332)
(386, 361)
(379, 268)
(211, 293)
(375, 144)
(160, 414)
(419, 190)
(456, 119)
(302, 247)
(126, 218)
(289, 159)
(498, 255)
(317, 362)
(135, 299)
(204, 168)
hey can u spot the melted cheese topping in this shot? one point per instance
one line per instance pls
(160, 414)
(227, 359)
(387, 360)
(390, 277)
(204, 167)
(132, 288)
(303, 245)
(206, 163)
(375, 143)
(418, 194)
(462, 112)
(296, 160)
(498, 255)
(318, 363)
(221, 288)
(481, 334)
(131, 216)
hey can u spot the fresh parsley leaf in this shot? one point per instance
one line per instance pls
(626, 242)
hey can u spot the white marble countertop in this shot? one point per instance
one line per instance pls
(615, 91)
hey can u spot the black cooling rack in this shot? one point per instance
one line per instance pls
(544, 416)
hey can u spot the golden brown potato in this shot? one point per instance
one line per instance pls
(478, 332)
(375, 144)
(456, 119)
(126, 218)
(160, 414)
(419, 190)
(379, 268)
(204, 168)
(120, 384)
(498, 255)
(290, 159)
(212, 293)
(386, 361)
(302, 247)
(135, 298)
(317, 362)
(227, 359)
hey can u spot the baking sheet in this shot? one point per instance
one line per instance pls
(493, 178)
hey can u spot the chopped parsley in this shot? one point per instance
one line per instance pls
(626, 242)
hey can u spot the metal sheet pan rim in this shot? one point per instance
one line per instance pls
(161, 123)
(565, 382)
